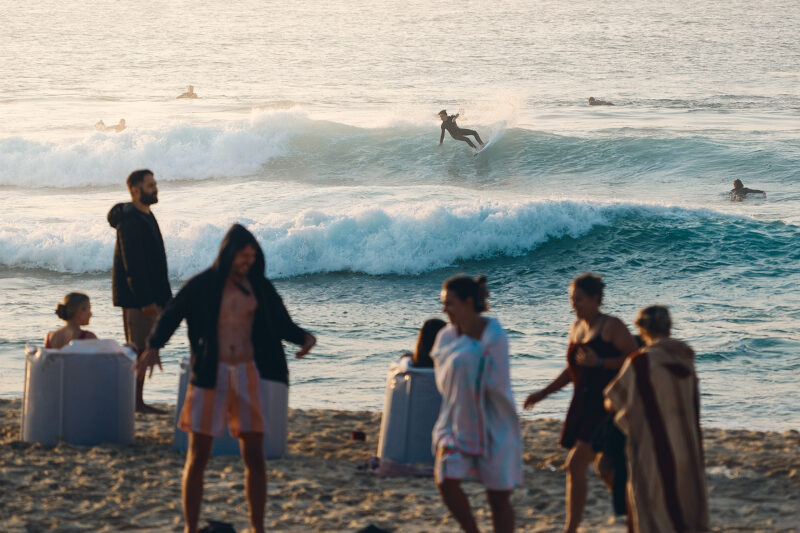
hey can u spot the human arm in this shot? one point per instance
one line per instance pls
(556, 385)
(285, 326)
(309, 342)
(621, 391)
(441, 137)
(753, 191)
(175, 311)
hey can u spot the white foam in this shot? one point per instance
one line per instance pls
(405, 240)
(175, 152)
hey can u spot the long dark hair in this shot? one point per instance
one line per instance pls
(237, 238)
(427, 336)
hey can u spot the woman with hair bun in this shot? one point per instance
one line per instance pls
(478, 431)
(598, 344)
(656, 401)
(76, 311)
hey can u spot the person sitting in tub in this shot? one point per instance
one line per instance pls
(76, 310)
(421, 357)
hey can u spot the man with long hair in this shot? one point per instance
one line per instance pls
(236, 322)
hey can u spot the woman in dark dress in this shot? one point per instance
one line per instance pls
(598, 344)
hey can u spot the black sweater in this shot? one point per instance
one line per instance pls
(139, 276)
(199, 303)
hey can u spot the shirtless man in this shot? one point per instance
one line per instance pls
(236, 323)
(189, 93)
(740, 192)
(459, 134)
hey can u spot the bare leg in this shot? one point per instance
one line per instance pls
(141, 407)
(457, 502)
(604, 469)
(579, 459)
(502, 511)
(255, 477)
(196, 460)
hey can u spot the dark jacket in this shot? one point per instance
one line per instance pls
(139, 276)
(199, 302)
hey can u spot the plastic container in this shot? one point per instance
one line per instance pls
(82, 394)
(410, 410)
(275, 407)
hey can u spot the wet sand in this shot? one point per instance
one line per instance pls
(753, 482)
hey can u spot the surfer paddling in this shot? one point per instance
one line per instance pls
(459, 134)
(189, 93)
(595, 101)
(740, 192)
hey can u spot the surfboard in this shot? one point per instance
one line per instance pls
(484, 147)
(497, 132)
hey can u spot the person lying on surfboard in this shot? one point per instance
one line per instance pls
(459, 134)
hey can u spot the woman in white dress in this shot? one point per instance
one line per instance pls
(477, 433)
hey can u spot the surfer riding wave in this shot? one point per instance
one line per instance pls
(459, 134)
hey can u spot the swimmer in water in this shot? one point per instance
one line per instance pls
(459, 134)
(595, 101)
(101, 126)
(189, 93)
(118, 127)
(740, 192)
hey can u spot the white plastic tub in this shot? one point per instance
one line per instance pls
(82, 394)
(410, 410)
(275, 408)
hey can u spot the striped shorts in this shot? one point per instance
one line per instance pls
(237, 398)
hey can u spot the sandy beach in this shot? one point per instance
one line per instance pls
(753, 482)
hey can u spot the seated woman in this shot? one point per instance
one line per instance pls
(656, 401)
(421, 358)
(76, 311)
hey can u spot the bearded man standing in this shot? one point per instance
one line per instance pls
(139, 284)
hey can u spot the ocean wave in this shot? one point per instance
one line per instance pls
(287, 144)
(176, 152)
(379, 241)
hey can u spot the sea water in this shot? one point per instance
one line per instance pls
(316, 127)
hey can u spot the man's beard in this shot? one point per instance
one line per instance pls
(148, 199)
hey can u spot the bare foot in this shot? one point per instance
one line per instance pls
(149, 409)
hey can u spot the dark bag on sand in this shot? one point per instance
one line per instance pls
(212, 526)
(610, 441)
